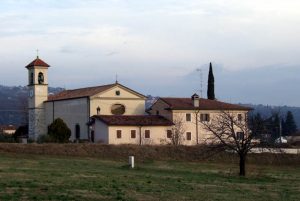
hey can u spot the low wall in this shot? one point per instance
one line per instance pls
(146, 153)
(276, 150)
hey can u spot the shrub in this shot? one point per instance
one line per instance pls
(59, 131)
(6, 138)
(22, 131)
(45, 139)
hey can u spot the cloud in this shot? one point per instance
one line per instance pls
(150, 40)
(112, 53)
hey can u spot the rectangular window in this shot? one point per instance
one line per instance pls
(188, 117)
(133, 133)
(240, 135)
(188, 136)
(240, 117)
(119, 134)
(204, 117)
(169, 133)
(147, 133)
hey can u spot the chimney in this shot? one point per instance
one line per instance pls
(196, 100)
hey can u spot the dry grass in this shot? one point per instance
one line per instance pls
(44, 177)
(147, 153)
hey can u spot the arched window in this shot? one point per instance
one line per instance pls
(31, 78)
(77, 132)
(117, 109)
(41, 78)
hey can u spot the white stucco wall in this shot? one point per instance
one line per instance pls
(108, 134)
(159, 108)
(204, 136)
(190, 126)
(158, 134)
(134, 104)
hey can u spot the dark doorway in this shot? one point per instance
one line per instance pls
(93, 136)
(77, 132)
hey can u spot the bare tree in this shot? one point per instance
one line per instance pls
(232, 131)
(178, 130)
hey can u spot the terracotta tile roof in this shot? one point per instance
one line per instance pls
(134, 120)
(88, 91)
(7, 127)
(37, 62)
(78, 93)
(204, 104)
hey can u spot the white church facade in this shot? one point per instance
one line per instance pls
(115, 114)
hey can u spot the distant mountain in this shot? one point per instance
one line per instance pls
(13, 104)
(150, 101)
(267, 110)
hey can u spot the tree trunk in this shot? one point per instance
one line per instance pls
(140, 133)
(242, 165)
(197, 132)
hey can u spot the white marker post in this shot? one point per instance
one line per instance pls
(131, 161)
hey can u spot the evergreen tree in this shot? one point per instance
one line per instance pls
(59, 131)
(211, 84)
(257, 125)
(290, 125)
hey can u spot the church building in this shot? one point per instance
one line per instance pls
(115, 114)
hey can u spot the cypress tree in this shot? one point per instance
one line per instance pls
(257, 125)
(211, 84)
(290, 125)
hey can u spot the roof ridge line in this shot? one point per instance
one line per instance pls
(89, 87)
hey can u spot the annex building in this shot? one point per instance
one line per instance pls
(115, 114)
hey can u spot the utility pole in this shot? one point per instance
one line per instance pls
(280, 132)
(201, 81)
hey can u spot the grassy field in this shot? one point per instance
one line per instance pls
(42, 177)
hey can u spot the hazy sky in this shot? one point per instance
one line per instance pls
(156, 46)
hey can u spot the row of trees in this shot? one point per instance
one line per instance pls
(274, 126)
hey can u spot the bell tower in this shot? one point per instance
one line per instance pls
(37, 94)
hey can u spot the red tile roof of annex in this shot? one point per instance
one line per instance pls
(134, 120)
(7, 127)
(204, 104)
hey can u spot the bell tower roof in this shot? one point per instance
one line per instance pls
(37, 62)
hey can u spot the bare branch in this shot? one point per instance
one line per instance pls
(232, 131)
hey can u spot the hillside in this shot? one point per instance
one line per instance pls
(267, 110)
(13, 104)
